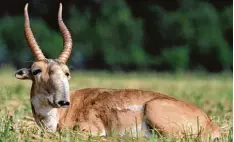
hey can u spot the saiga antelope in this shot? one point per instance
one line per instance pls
(100, 111)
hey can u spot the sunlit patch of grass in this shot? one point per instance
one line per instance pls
(211, 92)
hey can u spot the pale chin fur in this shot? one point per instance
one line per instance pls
(48, 113)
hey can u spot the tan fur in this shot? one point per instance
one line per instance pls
(95, 110)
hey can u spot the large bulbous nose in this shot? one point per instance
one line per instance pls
(63, 103)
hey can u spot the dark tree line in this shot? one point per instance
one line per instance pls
(145, 34)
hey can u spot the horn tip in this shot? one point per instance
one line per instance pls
(60, 11)
(26, 6)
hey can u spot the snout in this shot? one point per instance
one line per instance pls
(63, 103)
(60, 95)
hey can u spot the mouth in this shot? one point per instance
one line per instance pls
(64, 106)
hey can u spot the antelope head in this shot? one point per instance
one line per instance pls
(49, 76)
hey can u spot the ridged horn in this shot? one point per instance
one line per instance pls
(30, 38)
(67, 40)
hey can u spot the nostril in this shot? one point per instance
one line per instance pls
(64, 103)
(67, 103)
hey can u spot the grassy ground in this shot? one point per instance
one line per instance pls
(212, 93)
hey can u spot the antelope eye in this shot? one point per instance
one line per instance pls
(67, 74)
(37, 71)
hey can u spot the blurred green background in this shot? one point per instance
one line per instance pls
(124, 35)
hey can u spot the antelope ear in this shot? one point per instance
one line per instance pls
(23, 74)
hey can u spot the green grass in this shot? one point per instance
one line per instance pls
(211, 92)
